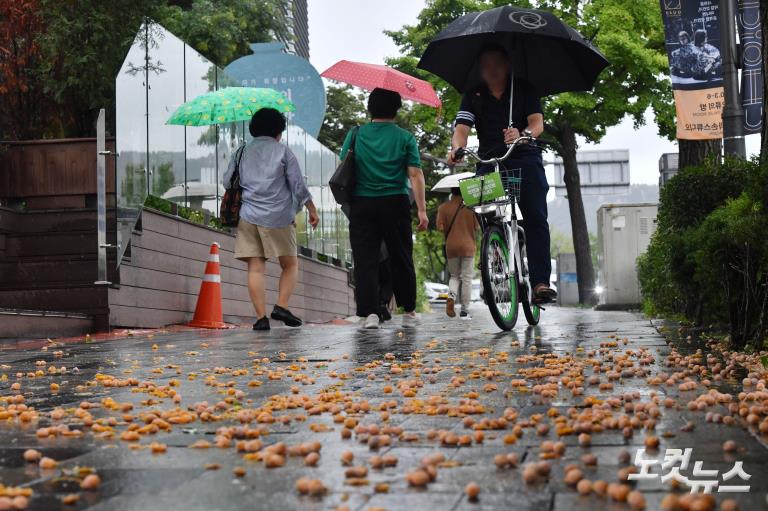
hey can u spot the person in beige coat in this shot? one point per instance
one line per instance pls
(460, 227)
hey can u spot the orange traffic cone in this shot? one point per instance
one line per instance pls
(208, 312)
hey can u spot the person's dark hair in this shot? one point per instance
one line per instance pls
(267, 122)
(494, 48)
(384, 104)
(456, 191)
(699, 37)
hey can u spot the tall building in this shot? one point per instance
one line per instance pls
(295, 33)
(668, 164)
(602, 172)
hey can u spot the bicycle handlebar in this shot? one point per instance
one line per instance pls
(462, 151)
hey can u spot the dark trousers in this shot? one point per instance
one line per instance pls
(533, 206)
(371, 221)
(385, 286)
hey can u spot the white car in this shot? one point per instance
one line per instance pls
(477, 290)
(436, 292)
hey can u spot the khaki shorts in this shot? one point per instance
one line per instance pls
(266, 242)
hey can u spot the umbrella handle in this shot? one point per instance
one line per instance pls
(511, 90)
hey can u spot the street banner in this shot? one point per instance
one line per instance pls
(751, 65)
(692, 39)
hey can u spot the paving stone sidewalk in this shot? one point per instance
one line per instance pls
(345, 366)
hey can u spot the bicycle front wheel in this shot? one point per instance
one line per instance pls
(499, 282)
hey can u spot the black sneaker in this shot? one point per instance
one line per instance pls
(262, 324)
(284, 315)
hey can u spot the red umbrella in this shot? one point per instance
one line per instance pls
(372, 76)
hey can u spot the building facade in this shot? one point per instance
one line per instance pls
(601, 171)
(295, 33)
(668, 166)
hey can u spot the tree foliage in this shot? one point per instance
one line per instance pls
(708, 260)
(559, 243)
(631, 35)
(20, 92)
(71, 51)
(223, 30)
(344, 111)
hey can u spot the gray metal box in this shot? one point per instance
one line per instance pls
(624, 232)
(567, 283)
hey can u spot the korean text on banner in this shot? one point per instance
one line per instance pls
(692, 39)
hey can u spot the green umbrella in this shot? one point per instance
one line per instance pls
(229, 105)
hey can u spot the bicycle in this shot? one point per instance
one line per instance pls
(505, 279)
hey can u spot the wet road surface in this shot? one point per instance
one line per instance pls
(425, 390)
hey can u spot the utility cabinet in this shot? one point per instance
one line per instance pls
(567, 281)
(624, 232)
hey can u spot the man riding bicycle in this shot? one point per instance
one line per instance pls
(487, 109)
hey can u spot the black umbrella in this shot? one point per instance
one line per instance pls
(544, 50)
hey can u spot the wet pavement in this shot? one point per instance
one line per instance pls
(407, 393)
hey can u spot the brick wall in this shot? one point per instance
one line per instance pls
(160, 279)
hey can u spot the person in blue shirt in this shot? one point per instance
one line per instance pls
(273, 192)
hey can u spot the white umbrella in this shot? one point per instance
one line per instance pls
(451, 181)
(194, 194)
(194, 189)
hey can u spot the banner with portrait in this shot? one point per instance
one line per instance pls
(692, 40)
(751, 65)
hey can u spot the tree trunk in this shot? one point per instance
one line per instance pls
(694, 152)
(584, 269)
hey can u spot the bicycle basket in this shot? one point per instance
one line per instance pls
(479, 189)
(511, 179)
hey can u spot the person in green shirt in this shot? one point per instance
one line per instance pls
(386, 158)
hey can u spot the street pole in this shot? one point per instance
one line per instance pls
(733, 112)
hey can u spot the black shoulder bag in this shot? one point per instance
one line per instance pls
(344, 179)
(229, 212)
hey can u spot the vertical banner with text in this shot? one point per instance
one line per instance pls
(751, 65)
(692, 39)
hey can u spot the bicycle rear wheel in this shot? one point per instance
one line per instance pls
(499, 284)
(531, 311)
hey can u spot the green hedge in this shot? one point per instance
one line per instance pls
(708, 260)
(197, 216)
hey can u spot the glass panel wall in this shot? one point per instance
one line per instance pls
(200, 185)
(131, 132)
(186, 164)
(166, 146)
